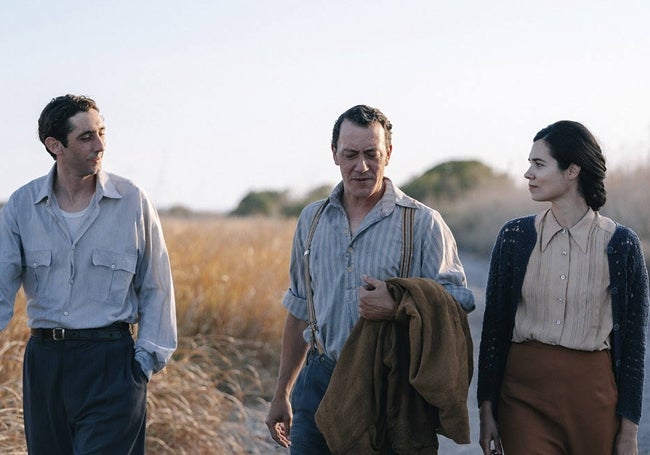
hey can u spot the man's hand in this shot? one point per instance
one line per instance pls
(278, 421)
(375, 302)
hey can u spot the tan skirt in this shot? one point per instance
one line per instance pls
(556, 400)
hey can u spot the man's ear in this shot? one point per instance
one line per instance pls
(53, 145)
(336, 158)
(389, 153)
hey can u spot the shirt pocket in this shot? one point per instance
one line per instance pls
(37, 269)
(111, 275)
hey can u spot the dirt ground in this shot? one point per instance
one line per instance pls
(476, 271)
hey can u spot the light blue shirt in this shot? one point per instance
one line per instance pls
(338, 259)
(115, 269)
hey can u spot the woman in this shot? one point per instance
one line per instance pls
(563, 342)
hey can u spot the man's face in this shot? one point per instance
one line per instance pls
(362, 155)
(86, 142)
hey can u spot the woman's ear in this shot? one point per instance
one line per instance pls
(573, 170)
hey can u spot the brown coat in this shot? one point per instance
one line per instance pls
(398, 383)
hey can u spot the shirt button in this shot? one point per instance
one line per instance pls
(563, 231)
(563, 277)
(65, 313)
(71, 280)
(564, 253)
(560, 299)
(349, 269)
(112, 266)
(558, 322)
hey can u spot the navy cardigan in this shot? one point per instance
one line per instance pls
(629, 293)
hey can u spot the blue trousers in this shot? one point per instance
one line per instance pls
(83, 397)
(307, 394)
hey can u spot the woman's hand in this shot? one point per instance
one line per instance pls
(626, 438)
(489, 438)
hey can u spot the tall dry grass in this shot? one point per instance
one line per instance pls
(12, 346)
(229, 277)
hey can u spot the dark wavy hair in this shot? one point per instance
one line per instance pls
(55, 118)
(571, 142)
(365, 116)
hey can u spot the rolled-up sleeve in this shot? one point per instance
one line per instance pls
(295, 300)
(441, 262)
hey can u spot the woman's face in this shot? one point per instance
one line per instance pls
(546, 181)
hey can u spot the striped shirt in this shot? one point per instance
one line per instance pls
(338, 259)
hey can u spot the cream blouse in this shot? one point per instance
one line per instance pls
(565, 294)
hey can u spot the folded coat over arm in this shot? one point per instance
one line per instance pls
(398, 383)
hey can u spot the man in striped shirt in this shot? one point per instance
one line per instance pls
(356, 245)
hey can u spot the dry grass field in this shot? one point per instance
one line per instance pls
(230, 275)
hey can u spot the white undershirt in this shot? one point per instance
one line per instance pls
(74, 220)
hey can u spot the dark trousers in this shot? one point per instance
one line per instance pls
(307, 394)
(83, 397)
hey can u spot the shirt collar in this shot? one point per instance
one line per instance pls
(104, 188)
(549, 227)
(45, 190)
(392, 196)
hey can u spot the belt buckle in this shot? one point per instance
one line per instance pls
(58, 334)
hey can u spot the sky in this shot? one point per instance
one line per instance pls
(205, 101)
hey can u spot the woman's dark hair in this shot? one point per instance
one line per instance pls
(55, 118)
(571, 142)
(365, 116)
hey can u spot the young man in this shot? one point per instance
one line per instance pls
(88, 249)
(357, 244)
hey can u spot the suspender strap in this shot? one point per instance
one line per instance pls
(313, 327)
(407, 242)
(405, 265)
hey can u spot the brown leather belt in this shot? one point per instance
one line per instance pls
(112, 332)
